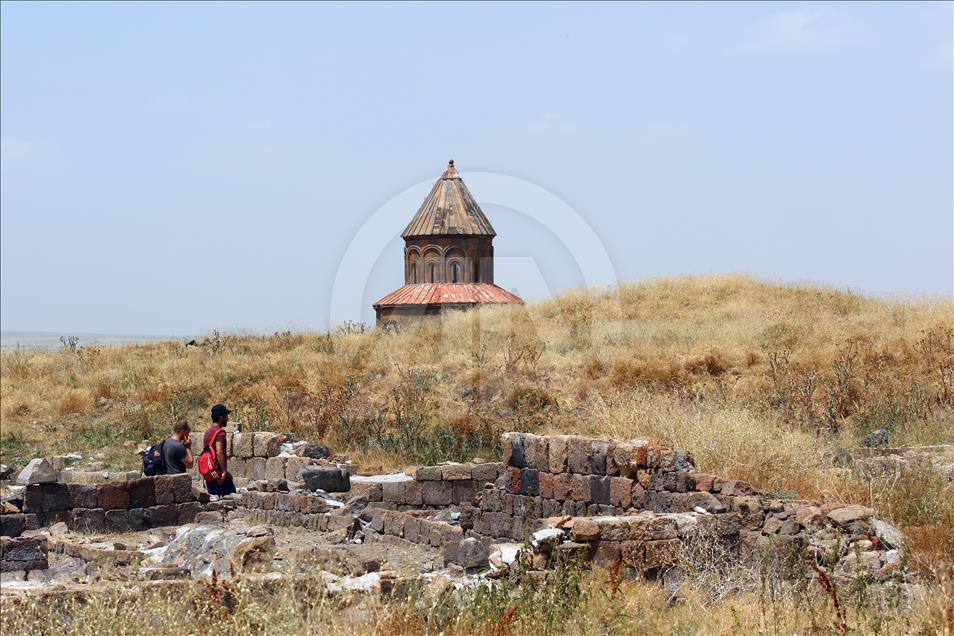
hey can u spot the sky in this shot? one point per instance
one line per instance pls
(177, 168)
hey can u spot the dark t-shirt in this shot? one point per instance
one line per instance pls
(174, 452)
(210, 435)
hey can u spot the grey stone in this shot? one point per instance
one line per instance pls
(530, 482)
(327, 478)
(82, 496)
(55, 497)
(875, 438)
(12, 525)
(471, 553)
(888, 536)
(38, 471)
(117, 520)
(314, 451)
(89, 520)
(600, 490)
(138, 519)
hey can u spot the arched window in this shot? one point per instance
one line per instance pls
(476, 272)
(432, 272)
(455, 273)
(413, 272)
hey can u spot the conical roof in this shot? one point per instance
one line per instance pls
(450, 209)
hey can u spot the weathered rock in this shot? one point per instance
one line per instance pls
(471, 553)
(849, 514)
(38, 471)
(113, 495)
(23, 554)
(314, 451)
(142, 492)
(82, 496)
(266, 444)
(12, 525)
(327, 478)
(253, 554)
(888, 536)
(875, 438)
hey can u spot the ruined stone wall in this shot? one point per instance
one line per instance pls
(117, 506)
(429, 487)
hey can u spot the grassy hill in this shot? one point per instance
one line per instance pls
(758, 380)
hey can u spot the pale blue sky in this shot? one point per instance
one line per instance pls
(176, 168)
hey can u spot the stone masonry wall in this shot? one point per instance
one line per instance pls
(117, 506)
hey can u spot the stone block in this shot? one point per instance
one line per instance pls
(33, 498)
(437, 493)
(255, 467)
(520, 505)
(266, 444)
(393, 491)
(163, 515)
(55, 497)
(142, 492)
(455, 472)
(562, 486)
(82, 496)
(394, 523)
(584, 529)
(557, 454)
(750, 511)
(12, 525)
(462, 491)
(117, 519)
(412, 529)
(327, 478)
(182, 487)
(275, 468)
(414, 493)
(113, 495)
(373, 492)
(186, 512)
(138, 519)
(650, 527)
(607, 554)
(580, 488)
(486, 472)
(514, 482)
(600, 490)
(38, 471)
(89, 520)
(165, 490)
(517, 457)
(243, 444)
(598, 451)
(500, 524)
(624, 455)
(23, 554)
(537, 452)
(428, 473)
(530, 482)
(621, 492)
(614, 529)
(579, 458)
(702, 482)
(545, 481)
(294, 466)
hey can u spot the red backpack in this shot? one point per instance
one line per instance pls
(209, 464)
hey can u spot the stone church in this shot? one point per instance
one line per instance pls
(448, 256)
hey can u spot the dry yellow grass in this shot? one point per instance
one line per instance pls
(759, 381)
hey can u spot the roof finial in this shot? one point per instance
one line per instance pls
(450, 172)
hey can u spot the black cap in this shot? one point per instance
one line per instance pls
(218, 411)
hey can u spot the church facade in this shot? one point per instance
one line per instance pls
(448, 256)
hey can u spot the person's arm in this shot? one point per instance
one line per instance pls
(187, 459)
(220, 452)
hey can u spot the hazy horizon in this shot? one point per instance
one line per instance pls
(180, 168)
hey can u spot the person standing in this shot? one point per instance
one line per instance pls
(214, 439)
(177, 450)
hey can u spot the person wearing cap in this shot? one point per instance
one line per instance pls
(215, 439)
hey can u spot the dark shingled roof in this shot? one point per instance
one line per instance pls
(450, 209)
(436, 293)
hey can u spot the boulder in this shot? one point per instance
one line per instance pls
(38, 471)
(875, 438)
(314, 451)
(888, 536)
(471, 553)
(849, 514)
(327, 478)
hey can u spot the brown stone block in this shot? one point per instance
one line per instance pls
(537, 452)
(393, 491)
(557, 454)
(500, 524)
(437, 493)
(243, 444)
(463, 491)
(621, 492)
(457, 472)
(82, 496)
(142, 492)
(614, 529)
(237, 465)
(607, 553)
(581, 488)
(113, 495)
(486, 472)
(394, 523)
(650, 527)
(412, 529)
(516, 484)
(428, 473)
(413, 493)
(562, 486)
(182, 488)
(164, 515)
(294, 465)
(703, 482)
(33, 498)
(579, 458)
(641, 460)
(275, 468)
(624, 456)
(584, 529)
(266, 444)
(254, 466)
(546, 485)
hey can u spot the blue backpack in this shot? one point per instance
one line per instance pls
(154, 460)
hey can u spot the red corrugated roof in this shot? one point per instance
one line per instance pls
(437, 293)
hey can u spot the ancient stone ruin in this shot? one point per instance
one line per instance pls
(636, 505)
